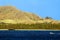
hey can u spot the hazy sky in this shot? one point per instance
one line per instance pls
(42, 8)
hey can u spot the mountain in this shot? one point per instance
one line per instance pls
(10, 14)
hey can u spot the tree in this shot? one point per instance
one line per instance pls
(48, 17)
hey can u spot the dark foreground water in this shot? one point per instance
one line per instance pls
(29, 35)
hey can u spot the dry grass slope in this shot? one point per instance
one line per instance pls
(12, 13)
(11, 17)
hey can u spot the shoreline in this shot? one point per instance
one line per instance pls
(30, 29)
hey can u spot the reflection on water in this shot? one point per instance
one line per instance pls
(29, 35)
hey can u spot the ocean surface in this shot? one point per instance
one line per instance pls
(29, 35)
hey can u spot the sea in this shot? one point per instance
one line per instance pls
(29, 35)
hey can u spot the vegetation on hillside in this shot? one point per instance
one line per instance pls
(30, 26)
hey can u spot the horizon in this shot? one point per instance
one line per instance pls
(41, 8)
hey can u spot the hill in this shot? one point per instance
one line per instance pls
(12, 14)
(12, 18)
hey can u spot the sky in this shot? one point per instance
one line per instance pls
(41, 8)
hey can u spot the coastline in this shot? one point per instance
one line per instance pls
(31, 29)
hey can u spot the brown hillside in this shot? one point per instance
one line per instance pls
(9, 12)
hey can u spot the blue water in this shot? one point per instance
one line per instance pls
(29, 35)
